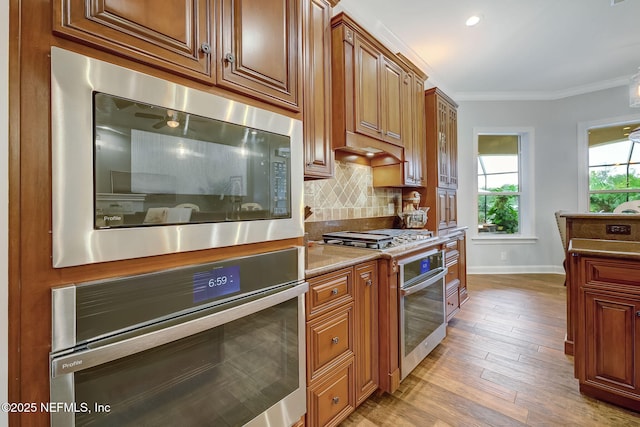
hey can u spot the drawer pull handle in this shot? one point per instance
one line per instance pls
(334, 291)
(638, 313)
(335, 340)
(335, 400)
(369, 282)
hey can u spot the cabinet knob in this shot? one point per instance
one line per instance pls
(335, 340)
(369, 282)
(230, 57)
(638, 313)
(334, 291)
(205, 48)
(335, 400)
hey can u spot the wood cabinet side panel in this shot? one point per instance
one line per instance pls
(388, 326)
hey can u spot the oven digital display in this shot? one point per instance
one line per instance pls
(208, 285)
(425, 265)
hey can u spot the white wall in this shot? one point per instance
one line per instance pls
(4, 202)
(556, 160)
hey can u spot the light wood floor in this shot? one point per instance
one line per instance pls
(501, 364)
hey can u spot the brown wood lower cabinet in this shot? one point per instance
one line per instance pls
(456, 278)
(607, 346)
(342, 342)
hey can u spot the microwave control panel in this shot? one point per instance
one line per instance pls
(280, 189)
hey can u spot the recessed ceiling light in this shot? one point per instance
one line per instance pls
(473, 20)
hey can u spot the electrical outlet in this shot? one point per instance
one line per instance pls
(503, 255)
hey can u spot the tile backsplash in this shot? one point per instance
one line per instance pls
(349, 195)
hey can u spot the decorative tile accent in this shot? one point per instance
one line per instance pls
(349, 195)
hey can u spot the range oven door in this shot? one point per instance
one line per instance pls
(237, 362)
(422, 307)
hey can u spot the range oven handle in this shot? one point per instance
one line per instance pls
(415, 288)
(84, 359)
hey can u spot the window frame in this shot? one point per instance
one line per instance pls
(583, 153)
(526, 225)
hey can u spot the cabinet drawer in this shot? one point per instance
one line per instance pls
(329, 291)
(453, 303)
(600, 272)
(451, 245)
(329, 339)
(332, 400)
(452, 287)
(453, 274)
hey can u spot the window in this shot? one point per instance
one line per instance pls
(614, 167)
(499, 187)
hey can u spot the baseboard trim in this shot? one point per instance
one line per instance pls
(516, 269)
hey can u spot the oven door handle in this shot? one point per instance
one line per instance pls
(415, 288)
(84, 359)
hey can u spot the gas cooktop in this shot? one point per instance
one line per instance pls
(388, 238)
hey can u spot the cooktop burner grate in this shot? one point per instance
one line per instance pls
(377, 239)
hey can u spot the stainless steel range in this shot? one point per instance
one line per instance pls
(387, 238)
(415, 309)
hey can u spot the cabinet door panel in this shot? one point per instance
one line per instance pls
(366, 330)
(367, 90)
(443, 144)
(259, 48)
(392, 81)
(441, 201)
(610, 340)
(162, 33)
(452, 208)
(452, 131)
(419, 139)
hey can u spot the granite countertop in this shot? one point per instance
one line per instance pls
(323, 258)
(609, 248)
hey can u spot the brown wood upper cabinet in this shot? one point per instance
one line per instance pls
(260, 49)
(415, 168)
(252, 48)
(367, 99)
(442, 136)
(316, 39)
(442, 160)
(174, 36)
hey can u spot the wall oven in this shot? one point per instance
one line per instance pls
(422, 307)
(212, 344)
(163, 167)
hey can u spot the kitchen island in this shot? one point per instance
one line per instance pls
(603, 305)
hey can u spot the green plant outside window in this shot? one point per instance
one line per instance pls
(614, 168)
(498, 183)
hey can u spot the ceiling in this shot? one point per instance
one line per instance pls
(520, 50)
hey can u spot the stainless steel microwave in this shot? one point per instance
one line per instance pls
(143, 166)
